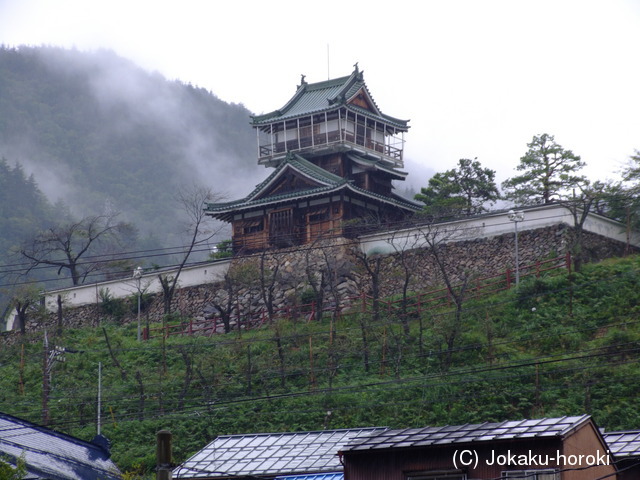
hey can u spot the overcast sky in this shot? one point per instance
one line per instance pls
(476, 78)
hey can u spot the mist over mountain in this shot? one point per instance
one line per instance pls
(98, 133)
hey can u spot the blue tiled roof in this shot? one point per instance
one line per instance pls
(52, 455)
(315, 476)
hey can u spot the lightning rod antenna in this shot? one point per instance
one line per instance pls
(328, 72)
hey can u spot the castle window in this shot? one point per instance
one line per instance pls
(253, 226)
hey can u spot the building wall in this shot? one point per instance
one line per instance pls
(482, 460)
(586, 441)
(401, 464)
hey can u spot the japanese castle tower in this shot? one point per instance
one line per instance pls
(335, 155)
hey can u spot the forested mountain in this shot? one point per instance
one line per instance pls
(100, 133)
(23, 207)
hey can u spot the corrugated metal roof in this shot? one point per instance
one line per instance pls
(469, 433)
(53, 455)
(623, 444)
(271, 454)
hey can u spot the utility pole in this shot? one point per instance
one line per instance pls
(163, 455)
(99, 396)
(49, 358)
(45, 380)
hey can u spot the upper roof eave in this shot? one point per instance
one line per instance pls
(324, 96)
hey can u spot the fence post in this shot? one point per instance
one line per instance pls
(508, 278)
(568, 261)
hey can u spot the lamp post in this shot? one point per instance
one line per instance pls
(515, 217)
(137, 274)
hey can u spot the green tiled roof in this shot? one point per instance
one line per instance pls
(326, 96)
(327, 183)
(378, 165)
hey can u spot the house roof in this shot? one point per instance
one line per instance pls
(320, 183)
(52, 455)
(313, 476)
(469, 433)
(326, 96)
(623, 444)
(271, 454)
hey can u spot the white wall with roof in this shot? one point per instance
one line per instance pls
(492, 225)
(149, 283)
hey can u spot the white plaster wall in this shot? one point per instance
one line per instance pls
(491, 225)
(149, 283)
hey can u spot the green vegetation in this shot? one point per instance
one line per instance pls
(9, 472)
(558, 345)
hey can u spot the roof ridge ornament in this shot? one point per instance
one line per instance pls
(357, 73)
(303, 82)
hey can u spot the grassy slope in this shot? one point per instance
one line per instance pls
(554, 347)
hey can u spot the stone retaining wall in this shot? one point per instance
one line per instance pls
(334, 269)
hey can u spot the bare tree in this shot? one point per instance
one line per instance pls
(199, 229)
(81, 247)
(372, 264)
(225, 305)
(268, 278)
(404, 244)
(25, 299)
(456, 279)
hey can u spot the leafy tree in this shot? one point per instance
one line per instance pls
(81, 247)
(622, 200)
(583, 202)
(465, 189)
(550, 173)
(223, 249)
(9, 472)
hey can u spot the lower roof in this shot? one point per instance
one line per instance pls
(322, 184)
(271, 454)
(623, 444)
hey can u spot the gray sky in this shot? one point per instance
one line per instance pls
(476, 78)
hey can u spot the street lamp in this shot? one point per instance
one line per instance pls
(516, 217)
(137, 274)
